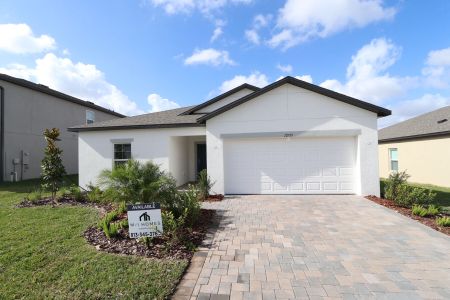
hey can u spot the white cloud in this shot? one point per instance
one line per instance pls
(259, 21)
(256, 78)
(159, 103)
(404, 110)
(209, 56)
(300, 20)
(19, 39)
(437, 68)
(252, 36)
(80, 80)
(206, 7)
(367, 76)
(218, 31)
(284, 68)
(307, 78)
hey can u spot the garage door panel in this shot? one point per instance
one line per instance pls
(295, 166)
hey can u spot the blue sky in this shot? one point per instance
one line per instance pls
(148, 55)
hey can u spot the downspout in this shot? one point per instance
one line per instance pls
(2, 132)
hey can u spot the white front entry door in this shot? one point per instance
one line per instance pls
(290, 165)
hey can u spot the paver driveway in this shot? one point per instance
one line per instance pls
(279, 247)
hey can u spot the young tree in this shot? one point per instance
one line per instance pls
(52, 167)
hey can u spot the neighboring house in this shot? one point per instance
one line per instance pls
(420, 145)
(290, 137)
(26, 109)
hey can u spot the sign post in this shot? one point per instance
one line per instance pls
(144, 220)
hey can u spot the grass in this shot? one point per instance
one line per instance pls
(442, 194)
(44, 255)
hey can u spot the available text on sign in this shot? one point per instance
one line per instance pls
(144, 220)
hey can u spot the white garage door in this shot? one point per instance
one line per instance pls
(290, 166)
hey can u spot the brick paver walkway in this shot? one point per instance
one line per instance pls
(317, 247)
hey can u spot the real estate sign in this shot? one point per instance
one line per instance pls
(144, 220)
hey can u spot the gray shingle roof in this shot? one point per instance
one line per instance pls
(162, 119)
(426, 125)
(184, 117)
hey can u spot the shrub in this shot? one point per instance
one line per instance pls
(172, 228)
(433, 210)
(443, 221)
(170, 223)
(122, 208)
(204, 184)
(94, 194)
(419, 210)
(134, 182)
(106, 224)
(407, 196)
(189, 206)
(63, 192)
(393, 184)
(76, 193)
(35, 196)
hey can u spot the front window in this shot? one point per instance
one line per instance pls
(122, 153)
(90, 117)
(393, 158)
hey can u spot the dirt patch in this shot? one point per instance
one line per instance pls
(428, 221)
(160, 247)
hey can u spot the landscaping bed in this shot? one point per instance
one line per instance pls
(428, 221)
(158, 247)
(103, 208)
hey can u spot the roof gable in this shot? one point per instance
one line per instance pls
(380, 111)
(214, 100)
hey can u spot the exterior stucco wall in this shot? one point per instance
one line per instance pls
(157, 145)
(426, 160)
(27, 114)
(290, 108)
(178, 162)
(225, 101)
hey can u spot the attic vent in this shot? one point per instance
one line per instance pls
(442, 121)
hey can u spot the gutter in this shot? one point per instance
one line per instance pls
(2, 132)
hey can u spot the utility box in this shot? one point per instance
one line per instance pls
(25, 158)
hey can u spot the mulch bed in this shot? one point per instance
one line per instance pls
(214, 198)
(102, 208)
(428, 221)
(159, 248)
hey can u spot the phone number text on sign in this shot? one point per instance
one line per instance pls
(144, 220)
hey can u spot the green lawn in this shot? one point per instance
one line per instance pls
(43, 255)
(442, 193)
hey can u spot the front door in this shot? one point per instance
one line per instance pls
(201, 157)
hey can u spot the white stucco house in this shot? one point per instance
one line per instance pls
(290, 137)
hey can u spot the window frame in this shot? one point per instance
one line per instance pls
(89, 120)
(391, 160)
(120, 161)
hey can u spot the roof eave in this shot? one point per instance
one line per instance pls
(414, 137)
(148, 126)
